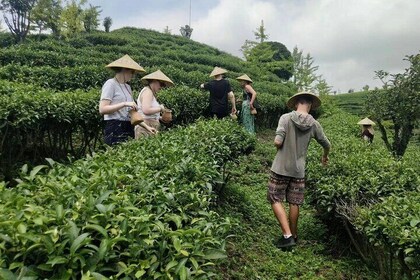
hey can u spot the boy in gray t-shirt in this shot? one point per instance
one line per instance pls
(287, 178)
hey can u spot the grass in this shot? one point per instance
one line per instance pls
(251, 250)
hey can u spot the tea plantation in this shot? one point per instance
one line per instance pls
(190, 202)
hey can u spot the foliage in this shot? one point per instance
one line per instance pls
(352, 103)
(46, 15)
(360, 176)
(107, 23)
(273, 57)
(251, 249)
(77, 65)
(37, 123)
(186, 31)
(398, 102)
(142, 210)
(20, 12)
(90, 18)
(71, 18)
(260, 33)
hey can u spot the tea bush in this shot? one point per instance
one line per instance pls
(368, 189)
(141, 210)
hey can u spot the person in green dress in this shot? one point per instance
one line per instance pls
(248, 110)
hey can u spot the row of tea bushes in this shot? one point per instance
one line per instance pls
(370, 191)
(36, 123)
(141, 210)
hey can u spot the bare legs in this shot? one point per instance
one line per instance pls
(281, 216)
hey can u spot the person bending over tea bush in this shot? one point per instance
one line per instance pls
(117, 101)
(220, 92)
(149, 107)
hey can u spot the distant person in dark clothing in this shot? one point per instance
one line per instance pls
(220, 92)
(367, 129)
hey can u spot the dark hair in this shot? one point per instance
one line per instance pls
(304, 99)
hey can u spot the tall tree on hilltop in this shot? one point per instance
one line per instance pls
(46, 15)
(304, 76)
(260, 33)
(107, 23)
(20, 13)
(90, 18)
(273, 57)
(71, 18)
(398, 102)
(186, 31)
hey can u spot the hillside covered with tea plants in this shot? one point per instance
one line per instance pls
(49, 88)
(173, 206)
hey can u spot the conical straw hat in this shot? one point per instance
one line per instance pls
(244, 77)
(217, 71)
(157, 75)
(316, 102)
(366, 121)
(126, 62)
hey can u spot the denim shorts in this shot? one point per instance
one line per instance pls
(280, 187)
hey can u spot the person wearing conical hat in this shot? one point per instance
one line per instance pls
(367, 129)
(149, 107)
(249, 97)
(220, 93)
(287, 177)
(116, 101)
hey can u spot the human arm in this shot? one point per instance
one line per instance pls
(146, 102)
(249, 89)
(232, 101)
(281, 132)
(108, 95)
(324, 159)
(105, 106)
(322, 139)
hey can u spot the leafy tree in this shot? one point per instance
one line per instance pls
(72, 18)
(366, 88)
(167, 30)
(90, 18)
(304, 70)
(322, 87)
(398, 102)
(20, 13)
(274, 57)
(186, 31)
(107, 23)
(260, 33)
(247, 47)
(46, 15)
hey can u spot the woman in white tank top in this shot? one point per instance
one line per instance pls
(148, 106)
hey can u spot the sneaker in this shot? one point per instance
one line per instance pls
(286, 242)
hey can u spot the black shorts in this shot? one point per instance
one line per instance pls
(117, 131)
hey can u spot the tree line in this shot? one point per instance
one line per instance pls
(53, 16)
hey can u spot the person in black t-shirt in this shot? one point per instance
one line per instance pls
(220, 92)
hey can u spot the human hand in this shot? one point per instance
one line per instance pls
(324, 160)
(234, 110)
(131, 104)
(152, 130)
(251, 106)
(277, 143)
(162, 107)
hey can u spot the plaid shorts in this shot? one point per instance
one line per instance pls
(280, 186)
